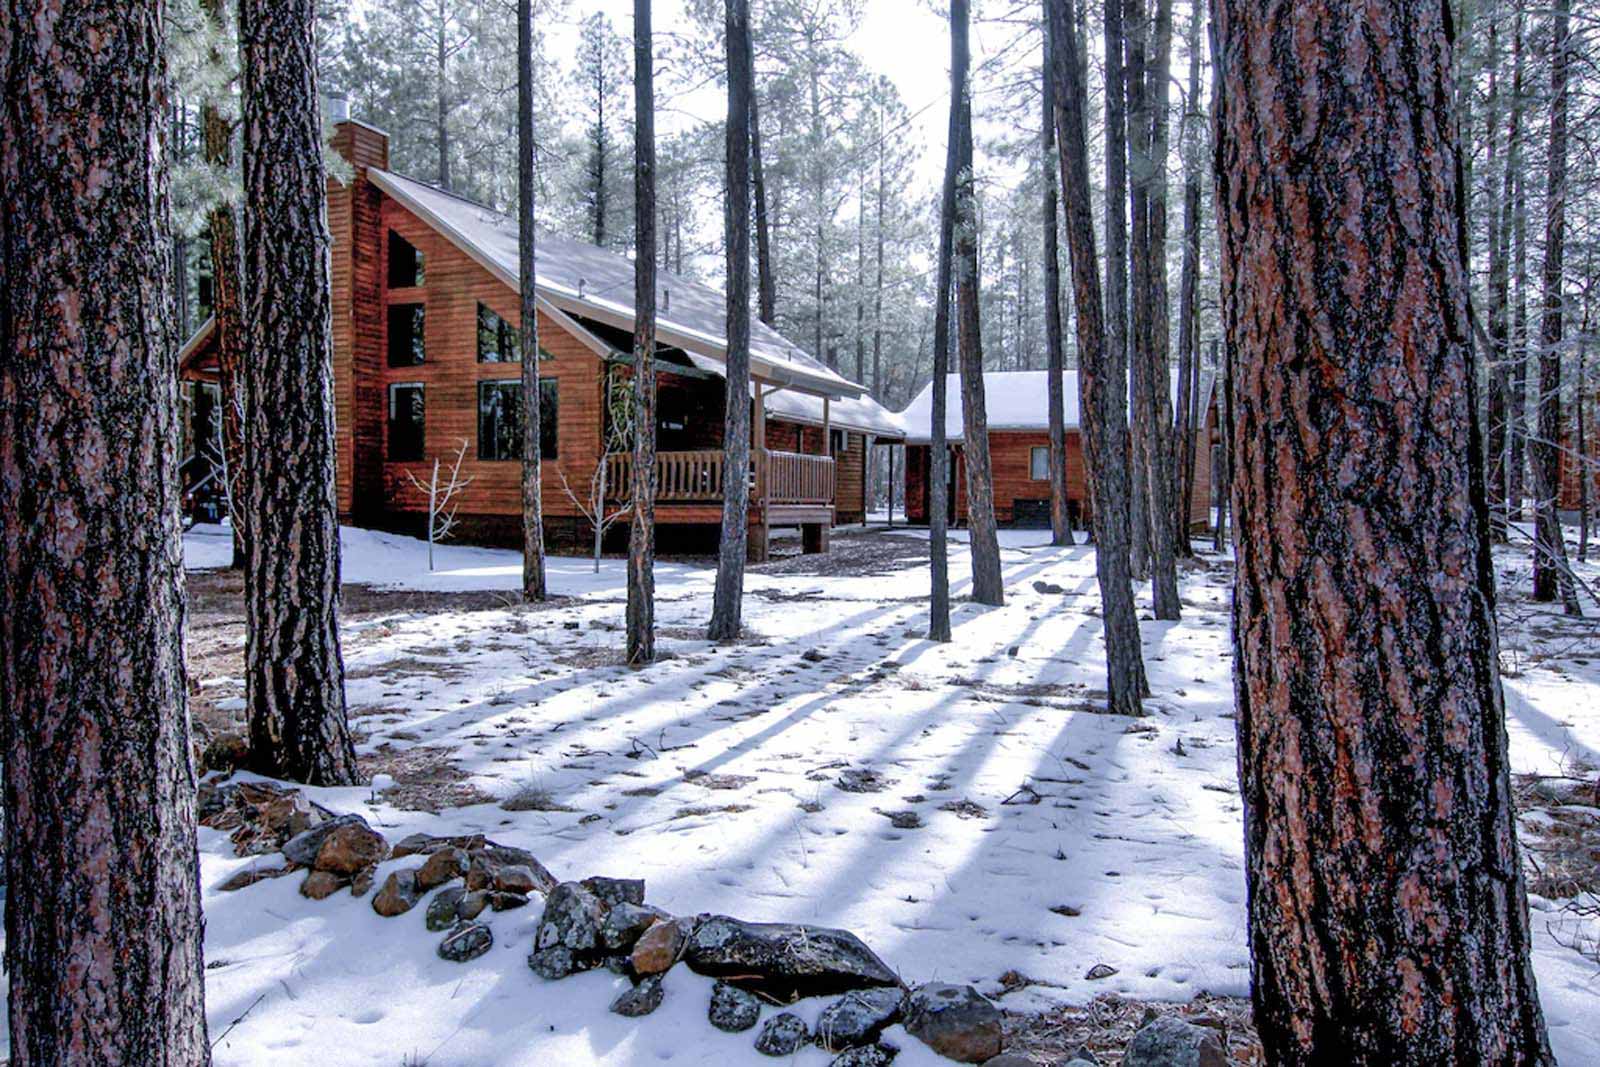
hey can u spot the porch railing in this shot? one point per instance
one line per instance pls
(687, 477)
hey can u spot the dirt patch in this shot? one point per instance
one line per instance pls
(862, 553)
(1106, 1024)
(426, 778)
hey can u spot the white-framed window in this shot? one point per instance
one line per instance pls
(838, 442)
(1039, 463)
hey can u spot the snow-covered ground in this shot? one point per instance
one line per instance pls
(1052, 837)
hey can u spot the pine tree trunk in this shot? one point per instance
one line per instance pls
(441, 107)
(1060, 519)
(1153, 406)
(1499, 378)
(766, 285)
(534, 586)
(102, 910)
(1224, 389)
(984, 542)
(1135, 30)
(939, 459)
(642, 531)
(1517, 423)
(1102, 381)
(1388, 918)
(1115, 323)
(1552, 576)
(294, 670)
(1189, 417)
(226, 302)
(727, 605)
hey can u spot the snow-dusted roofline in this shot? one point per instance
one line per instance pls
(489, 238)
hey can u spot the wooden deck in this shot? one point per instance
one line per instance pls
(787, 482)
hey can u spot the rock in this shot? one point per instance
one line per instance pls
(427, 844)
(472, 904)
(349, 848)
(466, 942)
(501, 856)
(782, 1035)
(444, 909)
(258, 816)
(732, 1009)
(227, 751)
(515, 878)
(858, 1018)
(785, 960)
(1011, 1059)
(552, 963)
(440, 867)
(321, 884)
(879, 1055)
(251, 875)
(1048, 588)
(615, 891)
(955, 1021)
(1084, 1054)
(659, 947)
(1171, 1042)
(501, 901)
(363, 881)
(642, 999)
(572, 917)
(398, 895)
(1099, 971)
(624, 924)
(491, 863)
(303, 847)
(813, 655)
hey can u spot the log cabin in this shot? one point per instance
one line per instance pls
(1019, 449)
(426, 363)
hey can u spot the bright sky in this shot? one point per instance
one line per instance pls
(903, 39)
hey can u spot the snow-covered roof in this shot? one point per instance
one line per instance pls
(590, 281)
(1013, 400)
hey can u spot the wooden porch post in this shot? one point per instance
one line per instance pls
(760, 533)
(891, 485)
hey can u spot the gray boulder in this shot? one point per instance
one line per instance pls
(642, 999)
(466, 942)
(732, 1009)
(785, 961)
(858, 1018)
(782, 1035)
(615, 891)
(625, 923)
(572, 918)
(553, 963)
(879, 1055)
(955, 1021)
(1171, 1042)
(444, 908)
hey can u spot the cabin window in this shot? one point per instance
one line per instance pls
(405, 263)
(406, 334)
(838, 442)
(499, 341)
(405, 422)
(500, 419)
(1039, 463)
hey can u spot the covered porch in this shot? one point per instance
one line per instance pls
(787, 488)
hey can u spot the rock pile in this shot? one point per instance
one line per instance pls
(605, 922)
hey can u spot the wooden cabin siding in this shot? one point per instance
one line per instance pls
(850, 494)
(453, 286)
(1010, 452)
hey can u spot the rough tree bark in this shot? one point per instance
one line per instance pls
(1060, 520)
(1499, 377)
(766, 283)
(1102, 385)
(1224, 467)
(226, 299)
(987, 583)
(642, 532)
(1552, 576)
(102, 914)
(1388, 920)
(1189, 294)
(1134, 126)
(1517, 421)
(294, 670)
(727, 605)
(1147, 80)
(534, 586)
(938, 447)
